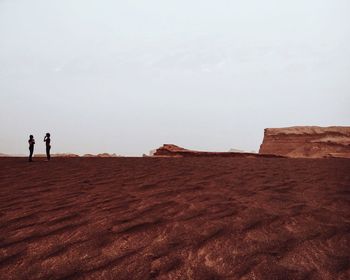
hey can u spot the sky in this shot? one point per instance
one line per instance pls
(126, 76)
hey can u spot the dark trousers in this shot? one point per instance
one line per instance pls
(31, 150)
(48, 148)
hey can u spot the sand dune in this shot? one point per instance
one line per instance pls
(175, 218)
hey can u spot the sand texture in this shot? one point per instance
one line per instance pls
(175, 218)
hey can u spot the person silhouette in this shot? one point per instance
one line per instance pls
(47, 140)
(31, 142)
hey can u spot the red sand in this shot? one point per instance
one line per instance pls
(175, 218)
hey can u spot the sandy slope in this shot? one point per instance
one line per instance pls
(175, 218)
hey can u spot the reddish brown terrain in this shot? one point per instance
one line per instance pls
(171, 150)
(307, 141)
(175, 218)
(104, 155)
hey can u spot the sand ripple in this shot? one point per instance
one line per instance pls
(175, 218)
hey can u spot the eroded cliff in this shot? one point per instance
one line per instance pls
(170, 150)
(307, 141)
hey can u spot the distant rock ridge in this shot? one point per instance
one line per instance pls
(60, 155)
(103, 155)
(307, 141)
(65, 155)
(171, 150)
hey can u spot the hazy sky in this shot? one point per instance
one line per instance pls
(127, 76)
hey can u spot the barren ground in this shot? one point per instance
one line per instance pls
(175, 218)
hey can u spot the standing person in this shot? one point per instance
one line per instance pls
(48, 145)
(31, 142)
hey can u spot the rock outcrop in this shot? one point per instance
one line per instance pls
(103, 155)
(307, 141)
(61, 155)
(170, 150)
(64, 155)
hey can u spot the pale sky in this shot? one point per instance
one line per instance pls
(127, 76)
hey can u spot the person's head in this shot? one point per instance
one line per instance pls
(31, 136)
(47, 134)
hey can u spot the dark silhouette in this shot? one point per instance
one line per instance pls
(48, 146)
(31, 142)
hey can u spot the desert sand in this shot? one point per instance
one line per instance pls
(175, 218)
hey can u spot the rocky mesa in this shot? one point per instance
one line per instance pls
(307, 141)
(170, 150)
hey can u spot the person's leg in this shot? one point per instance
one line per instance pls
(31, 154)
(48, 153)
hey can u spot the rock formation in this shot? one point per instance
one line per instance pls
(60, 155)
(307, 141)
(64, 155)
(170, 150)
(103, 155)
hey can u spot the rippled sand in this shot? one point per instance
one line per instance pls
(175, 218)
